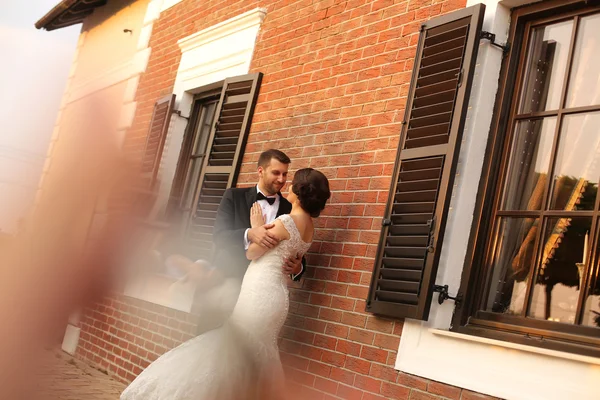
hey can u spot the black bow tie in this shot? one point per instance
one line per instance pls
(261, 196)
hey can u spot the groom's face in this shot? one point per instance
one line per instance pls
(272, 177)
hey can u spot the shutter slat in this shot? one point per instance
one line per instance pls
(426, 141)
(398, 297)
(409, 229)
(399, 286)
(408, 240)
(435, 99)
(431, 119)
(409, 248)
(441, 67)
(393, 265)
(436, 87)
(433, 109)
(432, 130)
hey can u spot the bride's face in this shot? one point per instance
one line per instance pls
(291, 197)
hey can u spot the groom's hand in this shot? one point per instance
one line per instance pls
(292, 265)
(263, 236)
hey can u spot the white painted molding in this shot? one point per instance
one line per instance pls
(215, 53)
(168, 4)
(249, 19)
(144, 38)
(153, 11)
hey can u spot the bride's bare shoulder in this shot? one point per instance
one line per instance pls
(305, 227)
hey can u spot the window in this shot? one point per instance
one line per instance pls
(186, 186)
(209, 162)
(532, 272)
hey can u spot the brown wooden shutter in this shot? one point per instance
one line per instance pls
(415, 216)
(159, 126)
(225, 150)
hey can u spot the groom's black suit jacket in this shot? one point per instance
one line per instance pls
(233, 218)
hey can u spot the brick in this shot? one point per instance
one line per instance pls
(354, 319)
(325, 342)
(380, 324)
(418, 395)
(330, 315)
(367, 384)
(319, 368)
(443, 390)
(343, 303)
(340, 331)
(326, 385)
(361, 336)
(349, 393)
(387, 341)
(333, 358)
(394, 391)
(348, 347)
(342, 375)
(374, 354)
(468, 395)
(357, 365)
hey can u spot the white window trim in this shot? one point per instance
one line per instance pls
(492, 367)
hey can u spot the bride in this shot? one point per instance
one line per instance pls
(240, 359)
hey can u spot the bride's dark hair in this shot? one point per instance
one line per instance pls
(312, 189)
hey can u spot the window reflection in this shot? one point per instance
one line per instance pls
(577, 167)
(584, 84)
(513, 258)
(529, 164)
(564, 255)
(546, 65)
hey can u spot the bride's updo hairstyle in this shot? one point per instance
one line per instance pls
(312, 189)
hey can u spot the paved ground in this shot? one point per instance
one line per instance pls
(65, 378)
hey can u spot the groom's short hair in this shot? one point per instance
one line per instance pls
(265, 157)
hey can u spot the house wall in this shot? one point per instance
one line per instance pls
(107, 63)
(336, 75)
(478, 363)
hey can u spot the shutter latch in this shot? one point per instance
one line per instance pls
(492, 38)
(386, 222)
(443, 291)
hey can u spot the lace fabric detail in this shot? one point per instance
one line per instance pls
(239, 360)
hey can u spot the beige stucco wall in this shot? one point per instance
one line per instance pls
(109, 62)
(106, 44)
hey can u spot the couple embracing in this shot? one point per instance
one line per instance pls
(256, 225)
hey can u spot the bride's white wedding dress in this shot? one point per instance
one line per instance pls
(240, 359)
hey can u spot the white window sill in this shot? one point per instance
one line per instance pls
(515, 346)
(163, 290)
(495, 368)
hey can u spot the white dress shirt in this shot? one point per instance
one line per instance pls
(269, 212)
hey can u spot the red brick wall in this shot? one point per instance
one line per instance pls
(122, 335)
(336, 75)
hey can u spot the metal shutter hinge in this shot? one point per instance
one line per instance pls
(386, 222)
(443, 295)
(459, 78)
(485, 35)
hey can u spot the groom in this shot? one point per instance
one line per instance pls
(232, 232)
